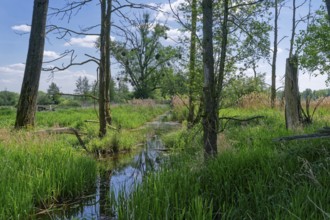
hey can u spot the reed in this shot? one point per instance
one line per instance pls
(38, 171)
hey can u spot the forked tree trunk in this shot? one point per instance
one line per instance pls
(27, 103)
(293, 114)
(210, 108)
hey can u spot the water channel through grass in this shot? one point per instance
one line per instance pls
(127, 171)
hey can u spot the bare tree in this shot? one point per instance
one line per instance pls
(293, 110)
(28, 98)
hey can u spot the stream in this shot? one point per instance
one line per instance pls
(127, 171)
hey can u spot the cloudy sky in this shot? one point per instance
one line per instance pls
(14, 29)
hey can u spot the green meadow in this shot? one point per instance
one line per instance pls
(252, 177)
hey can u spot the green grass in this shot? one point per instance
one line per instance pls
(255, 178)
(125, 116)
(39, 170)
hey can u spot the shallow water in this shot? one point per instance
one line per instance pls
(122, 178)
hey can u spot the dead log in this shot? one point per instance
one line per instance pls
(322, 133)
(94, 121)
(302, 137)
(65, 130)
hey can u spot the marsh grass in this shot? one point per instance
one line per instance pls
(253, 178)
(38, 171)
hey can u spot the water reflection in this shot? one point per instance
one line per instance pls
(112, 182)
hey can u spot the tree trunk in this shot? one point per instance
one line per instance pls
(327, 2)
(107, 61)
(210, 108)
(104, 68)
(223, 54)
(192, 62)
(27, 103)
(293, 114)
(273, 86)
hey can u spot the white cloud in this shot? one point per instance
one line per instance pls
(166, 10)
(51, 54)
(11, 76)
(175, 34)
(12, 69)
(279, 50)
(22, 28)
(87, 41)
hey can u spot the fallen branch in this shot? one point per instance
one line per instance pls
(94, 121)
(65, 130)
(238, 119)
(80, 95)
(241, 119)
(302, 137)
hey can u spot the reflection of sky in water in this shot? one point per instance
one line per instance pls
(122, 178)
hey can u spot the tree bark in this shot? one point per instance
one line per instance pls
(107, 61)
(273, 86)
(103, 69)
(293, 114)
(192, 62)
(327, 2)
(27, 103)
(210, 108)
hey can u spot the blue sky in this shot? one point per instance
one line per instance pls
(16, 14)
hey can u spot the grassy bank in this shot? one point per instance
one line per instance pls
(41, 170)
(251, 178)
(37, 171)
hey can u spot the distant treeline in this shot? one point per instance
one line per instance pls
(8, 98)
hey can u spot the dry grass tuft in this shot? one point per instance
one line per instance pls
(142, 102)
(254, 101)
(179, 101)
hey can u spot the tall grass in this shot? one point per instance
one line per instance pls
(255, 178)
(39, 170)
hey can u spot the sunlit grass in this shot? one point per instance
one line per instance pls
(39, 170)
(255, 178)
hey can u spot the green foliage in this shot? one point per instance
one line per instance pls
(144, 60)
(8, 98)
(122, 93)
(315, 47)
(173, 84)
(241, 85)
(44, 99)
(53, 93)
